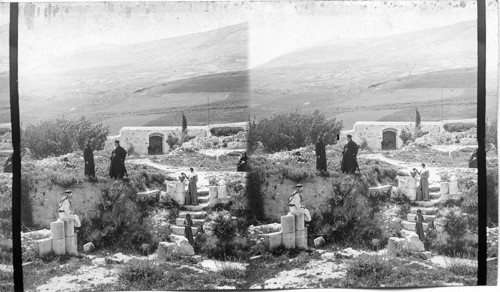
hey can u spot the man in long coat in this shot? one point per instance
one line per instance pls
(320, 154)
(88, 156)
(349, 156)
(117, 167)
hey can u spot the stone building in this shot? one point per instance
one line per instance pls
(153, 140)
(385, 135)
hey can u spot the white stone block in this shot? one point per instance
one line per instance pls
(411, 194)
(59, 246)
(273, 240)
(69, 226)
(444, 188)
(289, 240)
(301, 238)
(180, 198)
(44, 246)
(288, 224)
(176, 187)
(299, 220)
(57, 230)
(402, 182)
(412, 182)
(222, 192)
(70, 245)
(453, 189)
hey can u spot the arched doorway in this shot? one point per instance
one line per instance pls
(389, 139)
(155, 144)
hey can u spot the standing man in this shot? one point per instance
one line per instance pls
(295, 205)
(64, 209)
(349, 156)
(117, 167)
(88, 156)
(320, 154)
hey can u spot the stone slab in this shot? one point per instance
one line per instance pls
(70, 245)
(434, 195)
(453, 189)
(57, 230)
(411, 194)
(299, 220)
(444, 187)
(199, 207)
(194, 215)
(175, 187)
(273, 240)
(222, 192)
(59, 246)
(44, 246)
(179, 197)
(69, 226)
(427, 203)
(425, 210)
(301, 238)
(289, 240)
(288, 224)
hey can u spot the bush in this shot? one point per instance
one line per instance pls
(226, 131)
(492, 196)
(458, 127)
(292, 130)
(491, 132)
(173, 141)
(406, 136)
(62, 135)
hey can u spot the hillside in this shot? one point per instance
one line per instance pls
(4, 75)
(376, 79)
(133, 84)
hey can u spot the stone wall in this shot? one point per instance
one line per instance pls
(372, 132)
(46, 196)
(138, 137)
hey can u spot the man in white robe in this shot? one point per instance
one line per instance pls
(295, 203)
(64, 209)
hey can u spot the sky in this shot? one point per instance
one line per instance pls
(275, 28)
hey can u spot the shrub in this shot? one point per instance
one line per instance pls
(491, 132)
(296, 175)
(130, 149)
(173, 141)
(62, 135)
(292, 130)
(226, 131)
(458, 127)
(406, 136)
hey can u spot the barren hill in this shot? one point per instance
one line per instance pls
(375, 79)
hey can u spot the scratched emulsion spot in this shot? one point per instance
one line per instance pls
(463, 4)
(128, 11)
(29, 14)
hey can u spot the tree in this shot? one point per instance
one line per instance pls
(184, 123)
(417, 119)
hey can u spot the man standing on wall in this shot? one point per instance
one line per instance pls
(117, 167)
(320, 154)
(295, 203)
(349, 156)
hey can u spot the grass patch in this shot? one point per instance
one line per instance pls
(433, 157)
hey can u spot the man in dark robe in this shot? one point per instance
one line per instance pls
(320, 154)
(117, 167)
(349, 156)
(242, 164)
(88, 156)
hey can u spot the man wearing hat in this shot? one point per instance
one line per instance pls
(117, 167)
(65, 212)
(294, 203)
(349, 156)
(88, 157)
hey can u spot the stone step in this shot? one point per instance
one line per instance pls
(434, 195)
(434, 187)
(196, 222)
(179, 230)
(427, 218)
(199, 207)
(194, 214)
(411, 225)
(425, 210)
(202, 200)
(426, 203)
(202, 193)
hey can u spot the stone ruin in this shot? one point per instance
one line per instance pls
(293, 233)
(62, 240)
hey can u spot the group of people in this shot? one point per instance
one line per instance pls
(349, 155)
(192, 193)
(117, 168)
